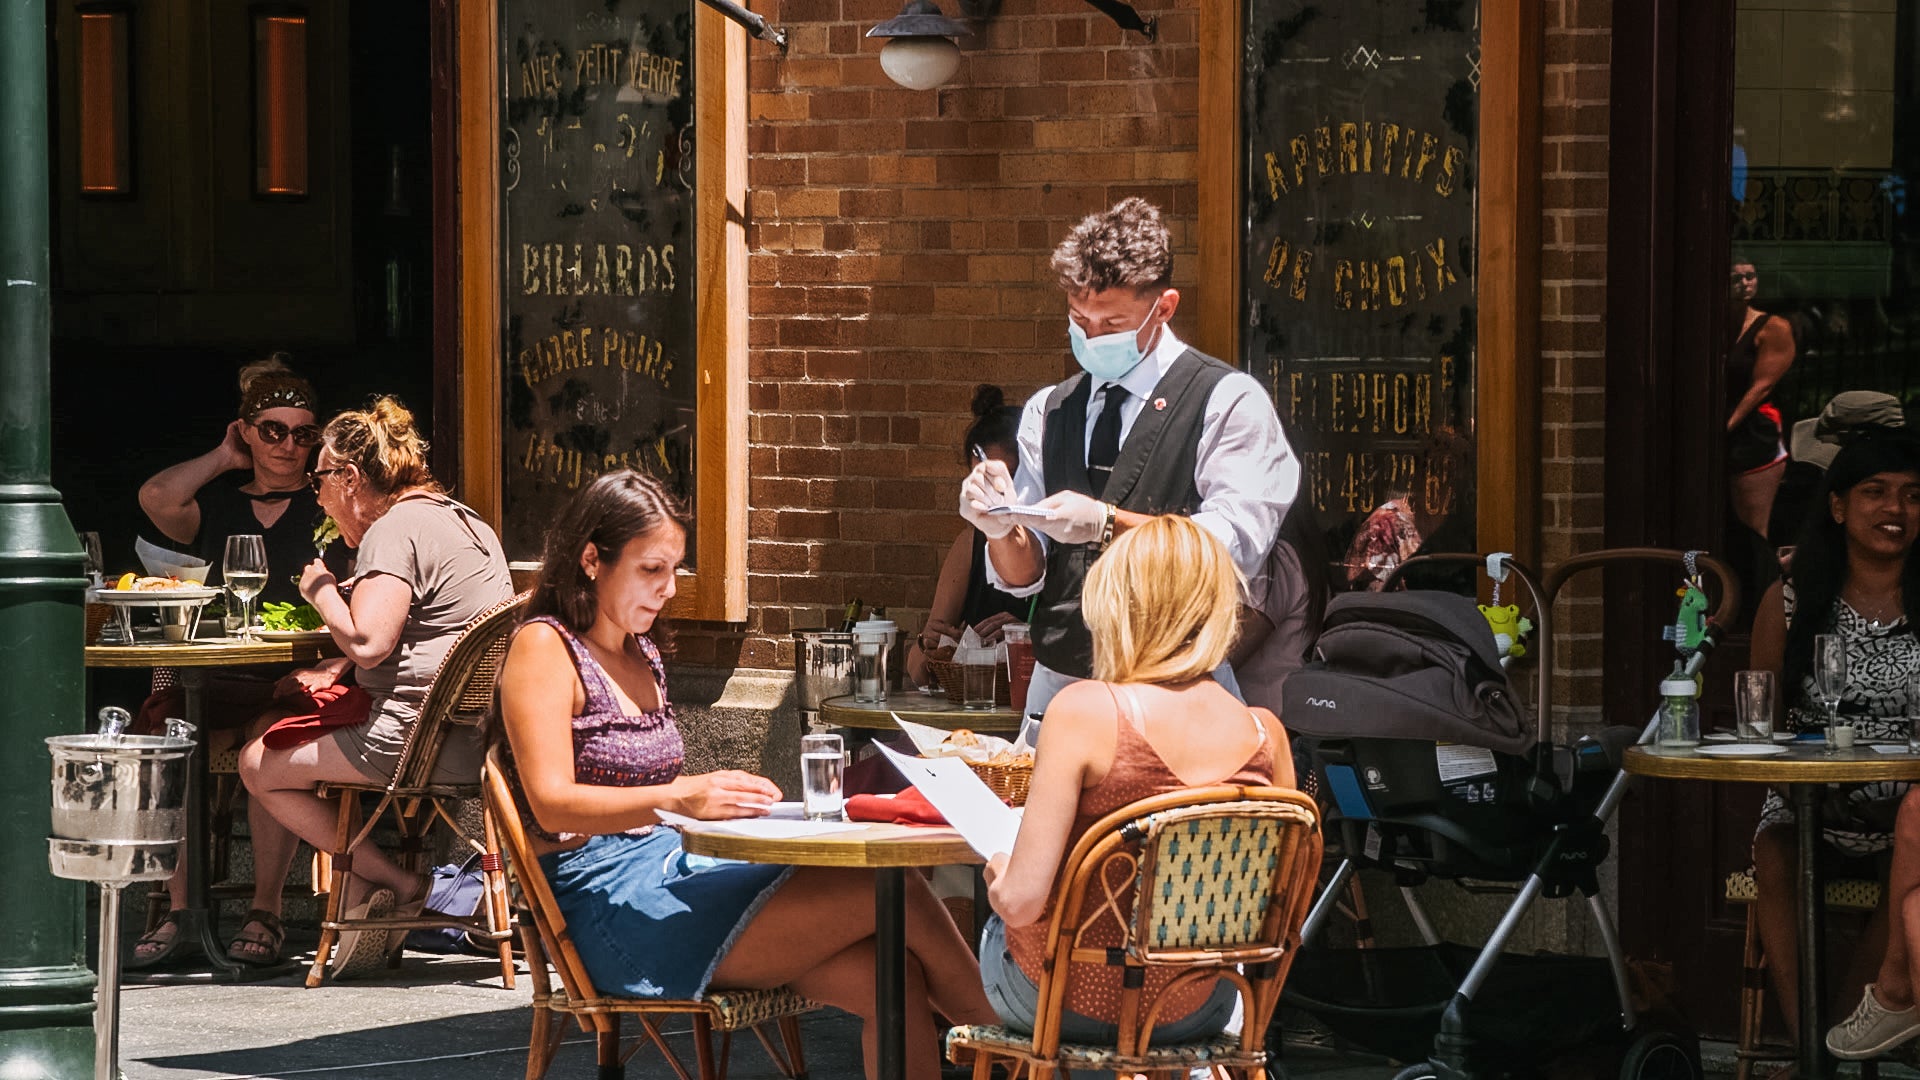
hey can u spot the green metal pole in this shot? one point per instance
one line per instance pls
(46, 988)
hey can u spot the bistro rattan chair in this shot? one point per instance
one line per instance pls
(1843, 894)
(461, 695)
(544, 938)
(1223, 876)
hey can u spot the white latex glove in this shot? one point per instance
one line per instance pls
(988, 485)
(1077, 518)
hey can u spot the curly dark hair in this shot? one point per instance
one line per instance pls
(608, 513)
(1820, 559)
(1126, 246)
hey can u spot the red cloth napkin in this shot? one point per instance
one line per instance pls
(909, 807)
(322, 711)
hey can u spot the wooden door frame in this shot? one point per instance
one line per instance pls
(1507, 267)
(1671, 107)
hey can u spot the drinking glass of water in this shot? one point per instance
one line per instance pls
(245, 573)
(822, 762)
(1830, 677)
(1913, 712)
(1753, 705)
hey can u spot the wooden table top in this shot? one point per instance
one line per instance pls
(934, 710)
(211, 652)
(1801, 764)
(876, 845)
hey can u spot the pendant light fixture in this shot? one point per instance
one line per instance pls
(920, 52)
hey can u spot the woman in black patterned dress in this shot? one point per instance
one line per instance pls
(1853, 574)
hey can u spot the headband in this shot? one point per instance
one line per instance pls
(276, 390)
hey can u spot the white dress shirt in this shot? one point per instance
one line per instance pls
(1245, 471)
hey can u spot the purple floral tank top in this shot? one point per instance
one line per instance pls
(612, 748)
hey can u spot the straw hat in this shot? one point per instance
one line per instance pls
(1818, 440)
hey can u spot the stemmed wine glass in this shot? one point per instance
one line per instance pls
(1830, 677)
(245, 572)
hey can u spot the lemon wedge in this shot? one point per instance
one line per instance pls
(125, 582)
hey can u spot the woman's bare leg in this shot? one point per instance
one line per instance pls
(1775, 855)
(820, 913)
(1753, 494)
(1900, 971)
(281, 785)
(845, 981)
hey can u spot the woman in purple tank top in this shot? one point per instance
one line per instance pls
(595, 755)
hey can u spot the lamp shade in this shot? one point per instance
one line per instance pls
(920, 63)
(919, 53)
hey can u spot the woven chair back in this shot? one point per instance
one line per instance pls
(461, 694)
(1221, 879)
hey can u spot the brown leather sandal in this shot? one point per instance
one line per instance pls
(153, 948)
(262, 948)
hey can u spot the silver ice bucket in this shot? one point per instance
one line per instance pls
(822, 666)
(133, 787)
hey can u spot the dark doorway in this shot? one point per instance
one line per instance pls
(164, 291)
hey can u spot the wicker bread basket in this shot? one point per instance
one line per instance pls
(96, 616)
(947, 674)
(1009, 782)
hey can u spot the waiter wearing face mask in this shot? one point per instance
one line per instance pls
(1148, 426)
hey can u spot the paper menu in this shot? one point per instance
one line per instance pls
(975, 812)
(770, 828)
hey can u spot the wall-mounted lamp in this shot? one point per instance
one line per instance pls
(755, 24)
(106, 100)
(1126, 18)
(279, 102)
(920, 53)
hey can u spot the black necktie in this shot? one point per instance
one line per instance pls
(1105, 448)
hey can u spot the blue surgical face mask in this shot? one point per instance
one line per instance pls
(1109, 356)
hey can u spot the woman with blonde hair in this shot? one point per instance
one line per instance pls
(1162, 604)
(425, 567)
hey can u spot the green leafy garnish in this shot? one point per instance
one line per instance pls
(325, 534)
(281, 616)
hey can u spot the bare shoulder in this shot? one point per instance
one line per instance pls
(1078, 702)
(536, 643)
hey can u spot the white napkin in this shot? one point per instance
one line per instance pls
(160, 562)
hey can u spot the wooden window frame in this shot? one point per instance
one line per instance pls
(716, 589)
(1507, 354)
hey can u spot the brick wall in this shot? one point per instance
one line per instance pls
(898, 244)
(1572, 328)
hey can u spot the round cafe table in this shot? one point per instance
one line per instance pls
(1801, 770)
(191, 659)
(934, 710)
(887, 850)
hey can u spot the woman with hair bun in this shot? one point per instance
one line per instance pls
(962, 597)
(426, 566)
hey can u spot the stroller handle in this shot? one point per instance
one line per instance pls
(1722, 617)
(1542, 617)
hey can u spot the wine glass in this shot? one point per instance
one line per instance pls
(1830, 677)
(245, 572)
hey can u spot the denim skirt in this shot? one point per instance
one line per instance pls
(650, 920)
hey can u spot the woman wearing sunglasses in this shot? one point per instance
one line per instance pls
(255, 481)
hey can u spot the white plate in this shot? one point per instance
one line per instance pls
(1741, 750)
(1730, 737)
(290, 635)
(153, 597)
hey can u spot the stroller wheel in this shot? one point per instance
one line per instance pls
(1661, 1055)
(1421, 1071)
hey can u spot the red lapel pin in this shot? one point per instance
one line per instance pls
(1159, 404)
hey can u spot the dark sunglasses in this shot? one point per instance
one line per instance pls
(273, 433)
(317, 476)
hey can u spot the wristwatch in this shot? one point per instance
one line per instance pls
(1106, 526)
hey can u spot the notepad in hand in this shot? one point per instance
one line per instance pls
(1023, 511)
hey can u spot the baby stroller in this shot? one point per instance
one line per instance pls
(1429, 768)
